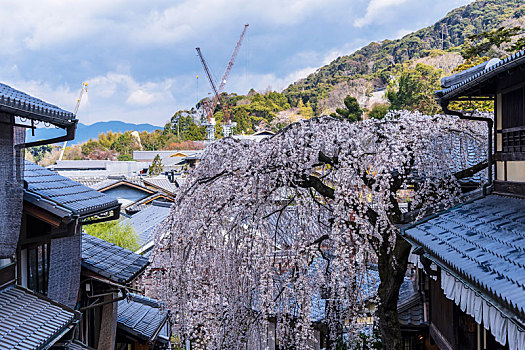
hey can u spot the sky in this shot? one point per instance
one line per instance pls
(139, 58)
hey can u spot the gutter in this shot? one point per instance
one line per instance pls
(490, 126)
(115, 300)
(70, 135)
(50, 206)
(122, 288)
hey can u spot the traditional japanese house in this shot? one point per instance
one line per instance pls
(126, 192)
(112, 316)
(40, 230)
(473, 255)
(161, 183)
(147, 222)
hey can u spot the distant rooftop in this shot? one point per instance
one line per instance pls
(161, 183)
(154, 199)
(258, 136)
(21, 104)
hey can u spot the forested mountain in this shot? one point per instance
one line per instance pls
(85, 132)
(374, 63)
(410, 67)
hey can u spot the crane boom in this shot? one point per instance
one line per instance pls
(82, 90)
(232, 59)
(215, 99)
(217, 91)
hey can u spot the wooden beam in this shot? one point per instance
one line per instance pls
(41, 214)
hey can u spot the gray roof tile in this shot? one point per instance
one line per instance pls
(161, 183)
(28, 320)
(141, 316)
(108, 260)
(483, 75)
(19, 103)
(160, 198)
(484, 241)
(145, 221)
(410, 305)
(67, 193)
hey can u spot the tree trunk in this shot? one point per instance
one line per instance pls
(392, 269)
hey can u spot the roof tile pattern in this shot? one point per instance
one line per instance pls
(80, 199)
(491, 71)
(410, 305)
(108, 260)
(141, 316)
(30, 321)
(483, 240)
(162, 183)
(20, 103)
(145, 221)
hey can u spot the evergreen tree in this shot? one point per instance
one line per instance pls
(351, 112)
(156, 167)
(414, 89)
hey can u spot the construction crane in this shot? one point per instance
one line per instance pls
(210, 121)
(82, 90)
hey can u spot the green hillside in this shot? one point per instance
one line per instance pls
(375, 62)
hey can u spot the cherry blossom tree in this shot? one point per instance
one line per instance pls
(276, 230)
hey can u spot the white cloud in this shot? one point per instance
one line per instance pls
(139, 59)
(375, 9)
(401, 33)
(262, 82)
(140, 98)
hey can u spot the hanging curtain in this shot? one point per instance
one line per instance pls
(11, 188)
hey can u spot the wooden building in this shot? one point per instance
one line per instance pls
(43, 298)
(473, 256)
(112, 316)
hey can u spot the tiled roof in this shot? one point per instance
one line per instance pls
(410, 305)
(162, 183)
(146, 202)
(109, 183)
(145, 221)
(19, 103)
(45, 185)
(108, 260)
(141, 317)
(483, 75)
(484, 242)
(30, 321)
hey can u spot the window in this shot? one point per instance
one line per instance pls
(513, 121)
(34, 267)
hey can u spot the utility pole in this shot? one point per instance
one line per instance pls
(444, 30)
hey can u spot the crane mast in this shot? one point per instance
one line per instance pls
(82, 90)
(210, 121)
